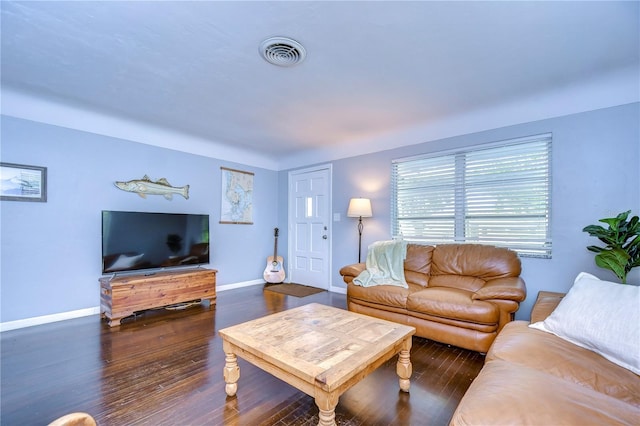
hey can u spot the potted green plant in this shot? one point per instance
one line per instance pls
(621, 252)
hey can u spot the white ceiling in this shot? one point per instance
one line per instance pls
(373, 72)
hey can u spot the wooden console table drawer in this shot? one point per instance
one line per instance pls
(122, 296)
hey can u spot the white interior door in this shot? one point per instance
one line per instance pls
(310, 226)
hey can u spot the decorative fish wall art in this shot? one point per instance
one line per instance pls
(146, 186)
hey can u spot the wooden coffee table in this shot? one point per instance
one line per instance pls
(320, 350)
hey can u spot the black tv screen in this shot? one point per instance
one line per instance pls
(133, 241)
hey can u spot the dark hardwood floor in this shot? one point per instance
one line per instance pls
(165, 368)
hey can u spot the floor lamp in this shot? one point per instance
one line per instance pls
(359, 207)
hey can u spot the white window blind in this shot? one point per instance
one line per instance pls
(498, 194)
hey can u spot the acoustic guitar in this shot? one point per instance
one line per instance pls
(274, 272)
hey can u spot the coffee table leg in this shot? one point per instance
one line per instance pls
(231, 373)
(403, 368)
(326, 403)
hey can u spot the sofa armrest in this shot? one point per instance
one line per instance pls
(545, 303)
(510, 288)
(349, 272)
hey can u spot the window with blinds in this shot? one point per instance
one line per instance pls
(498, 194)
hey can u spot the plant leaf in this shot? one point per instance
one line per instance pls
(615, 260)
(633, 248)
(633, 244)
(612, 222)
(595, 230)
(634, 225)
(622, 217)
(604, 235)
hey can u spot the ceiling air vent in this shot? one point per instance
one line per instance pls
(282, 51)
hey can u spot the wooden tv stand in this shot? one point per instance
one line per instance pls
(122, 296)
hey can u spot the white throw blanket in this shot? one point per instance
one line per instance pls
(385, 265)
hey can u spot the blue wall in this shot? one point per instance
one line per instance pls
(51, 252)
(596, 174)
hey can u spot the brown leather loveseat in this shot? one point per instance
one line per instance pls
(459, 294)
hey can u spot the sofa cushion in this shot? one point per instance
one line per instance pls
(519, 344)
(510, 394)
(601, 316)
(545, 303)
(387, 295)
(474, 264)
(453, 303)
(464, 282)
(417, 265)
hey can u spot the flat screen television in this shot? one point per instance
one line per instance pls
(133, 241)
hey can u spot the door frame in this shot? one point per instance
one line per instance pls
(290, 222)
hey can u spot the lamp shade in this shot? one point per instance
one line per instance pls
(359, 207)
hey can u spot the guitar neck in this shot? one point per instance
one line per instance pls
(275, 244)
(275, 249)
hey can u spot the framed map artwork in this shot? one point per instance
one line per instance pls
(236, 205)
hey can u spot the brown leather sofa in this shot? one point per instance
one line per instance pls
(535, 378)
(459, 294)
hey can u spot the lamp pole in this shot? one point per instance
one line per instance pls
(360, 226)
(359, 207)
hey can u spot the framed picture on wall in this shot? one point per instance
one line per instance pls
(23, 183)
(237, 197)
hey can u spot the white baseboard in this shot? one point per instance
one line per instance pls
(341, 290)
(45, 319)
(238, 285)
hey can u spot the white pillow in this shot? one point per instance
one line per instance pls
(601, 316)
